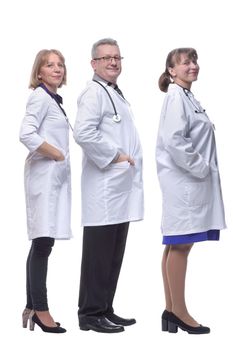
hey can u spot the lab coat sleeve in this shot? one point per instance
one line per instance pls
(86, 129)
(36, 110)
(177, 140)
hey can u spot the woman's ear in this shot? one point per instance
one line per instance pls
(172, 72)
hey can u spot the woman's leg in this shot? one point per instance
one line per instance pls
(167, 292)
(176, 266)
(37, 272)
(29, 304)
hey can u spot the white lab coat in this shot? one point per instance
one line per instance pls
(187, 167)
(47, 182)
(111, 192)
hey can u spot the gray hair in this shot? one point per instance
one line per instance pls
(105, 41)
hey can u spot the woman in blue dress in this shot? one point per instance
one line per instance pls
(188, 174)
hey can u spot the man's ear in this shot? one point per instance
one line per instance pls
(93, 64)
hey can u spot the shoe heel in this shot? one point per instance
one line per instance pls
(31, 322)
(164, 325)
(172, 327)
(25, 317)
(25, 322)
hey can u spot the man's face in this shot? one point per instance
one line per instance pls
(107, 63)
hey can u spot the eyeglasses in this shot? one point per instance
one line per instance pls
(109, 58)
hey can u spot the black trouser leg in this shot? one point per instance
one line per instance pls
(37, 266)
(103, 251)
(29, 304)
(121, 236)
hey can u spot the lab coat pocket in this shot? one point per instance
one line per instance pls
(119, 178)
(59, 172)
(197, 193)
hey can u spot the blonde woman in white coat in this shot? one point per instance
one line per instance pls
(188, 174)
(45, 132)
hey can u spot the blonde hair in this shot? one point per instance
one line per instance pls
(40, 60)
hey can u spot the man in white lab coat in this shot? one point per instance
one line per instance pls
(112, 189)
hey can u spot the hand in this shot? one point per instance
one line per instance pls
(60, 158)
(50, 152)
(123, 158)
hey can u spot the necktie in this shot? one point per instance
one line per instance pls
(117, 89)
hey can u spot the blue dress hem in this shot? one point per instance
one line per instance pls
(210, 235)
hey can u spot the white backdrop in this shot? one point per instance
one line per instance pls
(146, 31)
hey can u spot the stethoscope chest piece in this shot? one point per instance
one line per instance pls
(116, 118)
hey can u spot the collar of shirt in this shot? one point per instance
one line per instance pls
(56, 97)
(108, 83)
(97, 77)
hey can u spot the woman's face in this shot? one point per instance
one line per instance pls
(52, 72)
(185, 71)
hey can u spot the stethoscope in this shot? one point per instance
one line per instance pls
(197, 108)
(116, 117)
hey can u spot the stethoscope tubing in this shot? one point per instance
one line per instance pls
(116, 117)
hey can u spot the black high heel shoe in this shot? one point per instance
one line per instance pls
(25, 317)
(35, 319)
(174, 323)
(164, 319)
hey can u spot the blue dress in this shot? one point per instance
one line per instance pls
(210, 235)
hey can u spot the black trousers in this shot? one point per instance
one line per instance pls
(103, 251)
(36, 271)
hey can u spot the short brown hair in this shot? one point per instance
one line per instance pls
(40, 60)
